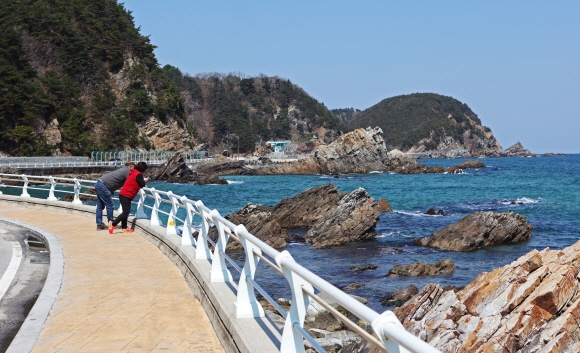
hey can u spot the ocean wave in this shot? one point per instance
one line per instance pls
(520, 200)
(416, 214)
(234, 181)
(393, 234)
(376, 172)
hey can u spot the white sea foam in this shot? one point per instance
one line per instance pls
(393, 234)
(417, 214)
(234, 181)
(521, 200)
(376, 172)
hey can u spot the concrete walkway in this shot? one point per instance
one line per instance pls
(119, 293)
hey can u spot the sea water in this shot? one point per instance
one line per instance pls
(544, 189)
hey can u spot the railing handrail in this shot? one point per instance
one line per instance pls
(386, 326)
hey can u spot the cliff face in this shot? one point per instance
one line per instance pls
(531, 305)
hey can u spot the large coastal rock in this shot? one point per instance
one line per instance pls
(531, 305)
(333, 217)
(174, 170)
(353, 219)
(478, 230)
(518, 150)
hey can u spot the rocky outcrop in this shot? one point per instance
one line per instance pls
(363, 268)
(174, 171)
(465, 165)
(443, 267)
(531, 305)
(478, 230)
(518, 150)
(220, 166)
(210, 179)
(400, 297)
(333, 217)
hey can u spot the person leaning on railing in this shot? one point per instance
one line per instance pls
(135, 181)
(105, 188)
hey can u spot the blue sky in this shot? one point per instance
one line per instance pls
(516, 63)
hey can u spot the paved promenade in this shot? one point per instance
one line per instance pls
(119, 293)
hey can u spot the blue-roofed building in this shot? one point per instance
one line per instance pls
(279, 146)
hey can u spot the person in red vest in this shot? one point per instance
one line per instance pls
(135, 181)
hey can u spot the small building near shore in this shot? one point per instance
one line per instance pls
(279, 146)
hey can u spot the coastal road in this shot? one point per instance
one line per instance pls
(24, 263)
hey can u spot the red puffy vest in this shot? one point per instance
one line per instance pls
(131, 188)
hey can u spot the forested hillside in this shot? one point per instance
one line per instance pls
(426, 121)
(220, 108)
(77, 76)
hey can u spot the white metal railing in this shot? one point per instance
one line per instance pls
(391, 336)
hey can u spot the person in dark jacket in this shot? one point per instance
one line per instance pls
(135, 181)
(105, 188)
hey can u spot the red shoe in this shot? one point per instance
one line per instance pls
(111, 227)
(128, 230)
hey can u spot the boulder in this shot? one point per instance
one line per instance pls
(220, 166)
(353, 286)
(434, 212)
(363, 268)
(174, 171)
(295, 238)
(530, 305)
(353, 219)
(333, 217)
(478, 230)
(443, 267)
(384, 206)
(210, 179)
(400, 297)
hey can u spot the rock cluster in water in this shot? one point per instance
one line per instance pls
(478, 230)
(443, 267)
(332, 217)
(531, 305)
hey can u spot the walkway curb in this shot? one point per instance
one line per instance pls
(29, 332)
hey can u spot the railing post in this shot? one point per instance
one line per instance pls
(154, 212)
(140, 214)
(202, 250)
(246, 304)
(292, 339)
(77, 200)
(25, 187)
(187, 234)
(51, 196)
(171, 224)
(219, 271)
(388, 318)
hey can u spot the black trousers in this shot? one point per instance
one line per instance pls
(126, 205)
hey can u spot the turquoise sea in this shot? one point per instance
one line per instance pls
(548, 189)
(545, 189)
